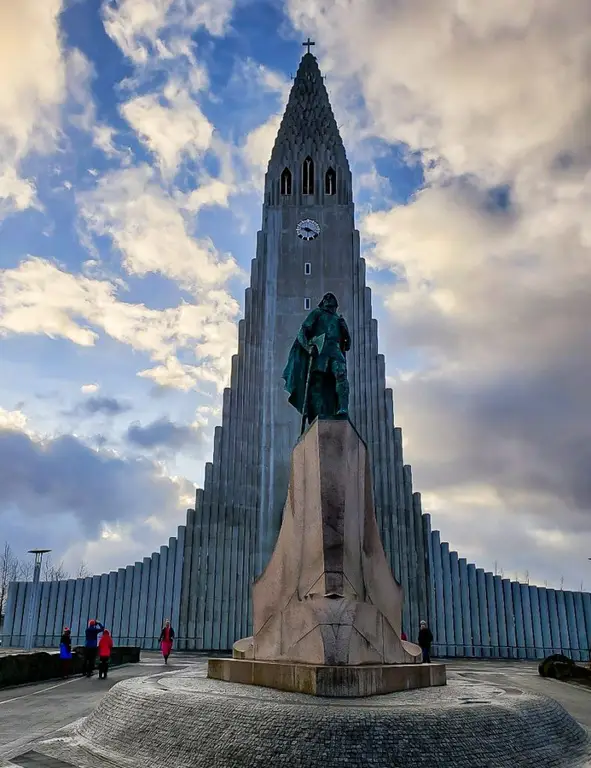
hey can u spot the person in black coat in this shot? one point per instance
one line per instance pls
(425, 640)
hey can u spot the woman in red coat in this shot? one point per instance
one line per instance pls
(165, 640)
(104, 653)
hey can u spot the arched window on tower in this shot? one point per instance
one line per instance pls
(330, 182)
(285, 185)
(308, 177)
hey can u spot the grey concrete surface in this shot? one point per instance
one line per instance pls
(29, 713)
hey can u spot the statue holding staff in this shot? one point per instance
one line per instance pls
(316, 371)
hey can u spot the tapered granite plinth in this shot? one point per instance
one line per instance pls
(329, 681)
(327, 596)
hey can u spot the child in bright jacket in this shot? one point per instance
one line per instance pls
(104, 652)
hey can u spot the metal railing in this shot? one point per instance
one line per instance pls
(440, 650)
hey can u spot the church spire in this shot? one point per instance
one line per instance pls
(308, 138)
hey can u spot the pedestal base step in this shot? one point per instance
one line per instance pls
(334, 682)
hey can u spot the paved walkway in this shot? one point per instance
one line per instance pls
(28, 713)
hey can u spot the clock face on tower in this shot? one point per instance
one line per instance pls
(308, 229)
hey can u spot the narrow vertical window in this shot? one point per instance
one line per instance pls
(285, 182)
(308, 177)
(330, 182)
(307, 304)
(307, 268)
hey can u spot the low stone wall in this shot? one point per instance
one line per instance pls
(22, 668)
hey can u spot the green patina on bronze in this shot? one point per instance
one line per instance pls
(316, 371)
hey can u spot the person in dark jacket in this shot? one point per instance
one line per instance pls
(66, 652)
(93, 630)
(425, 640)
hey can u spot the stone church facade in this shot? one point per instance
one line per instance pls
(201, 579)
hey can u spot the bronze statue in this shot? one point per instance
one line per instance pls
(316, 371)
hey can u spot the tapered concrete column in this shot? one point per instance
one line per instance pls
(178, 576)
(411, 596)
(510, 618)
(136, 596)
(448, 600)
(519, 624)
(456, 604)
(431, 576)
(9, 611)
(118, 609)
(527, 621)
(19, 620)
(474, 613)
(492, 614)
(501, 617)
(159, 605)
(189, 553)
(565, 644)
(94, 595)
(392, 491)
(536, 622)
(586, 597)
(545, 621)
(45, 632)
(404, 534)
(554, 621)
(198, 570)
(144, 592)
(75, 625)
(483, 612)
(58, 624)
(583, 637)
(152, 625)
(126, 606)
(169, 581)
(441, 637)
(571, 619)
(465, 608)
(39, 628)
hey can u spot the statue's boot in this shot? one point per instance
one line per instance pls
(342, 390)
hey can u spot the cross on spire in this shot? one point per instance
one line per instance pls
(308, 43)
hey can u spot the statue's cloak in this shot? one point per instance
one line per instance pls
(295, 374)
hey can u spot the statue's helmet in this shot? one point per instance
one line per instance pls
(327, 299)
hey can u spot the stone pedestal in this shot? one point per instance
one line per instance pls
(331, 682)
(327, 596)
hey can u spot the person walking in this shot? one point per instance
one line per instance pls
(66, 652)
(425, 640)
(104, 653)
(93, 630)
(166, 638)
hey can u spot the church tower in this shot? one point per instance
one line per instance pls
(307, 245)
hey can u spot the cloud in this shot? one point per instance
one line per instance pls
(88, 389)
(488, 315)
(148, 30)
(50, 479)
(162, 433)
(38, 298)
(174, 130)
(33, 89)
(15, 420)
(149, 228)
(108, 406)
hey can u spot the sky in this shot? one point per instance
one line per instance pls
(134, 136)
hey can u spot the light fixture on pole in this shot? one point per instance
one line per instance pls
(34, 599)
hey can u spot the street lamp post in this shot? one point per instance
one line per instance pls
(34, 599)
